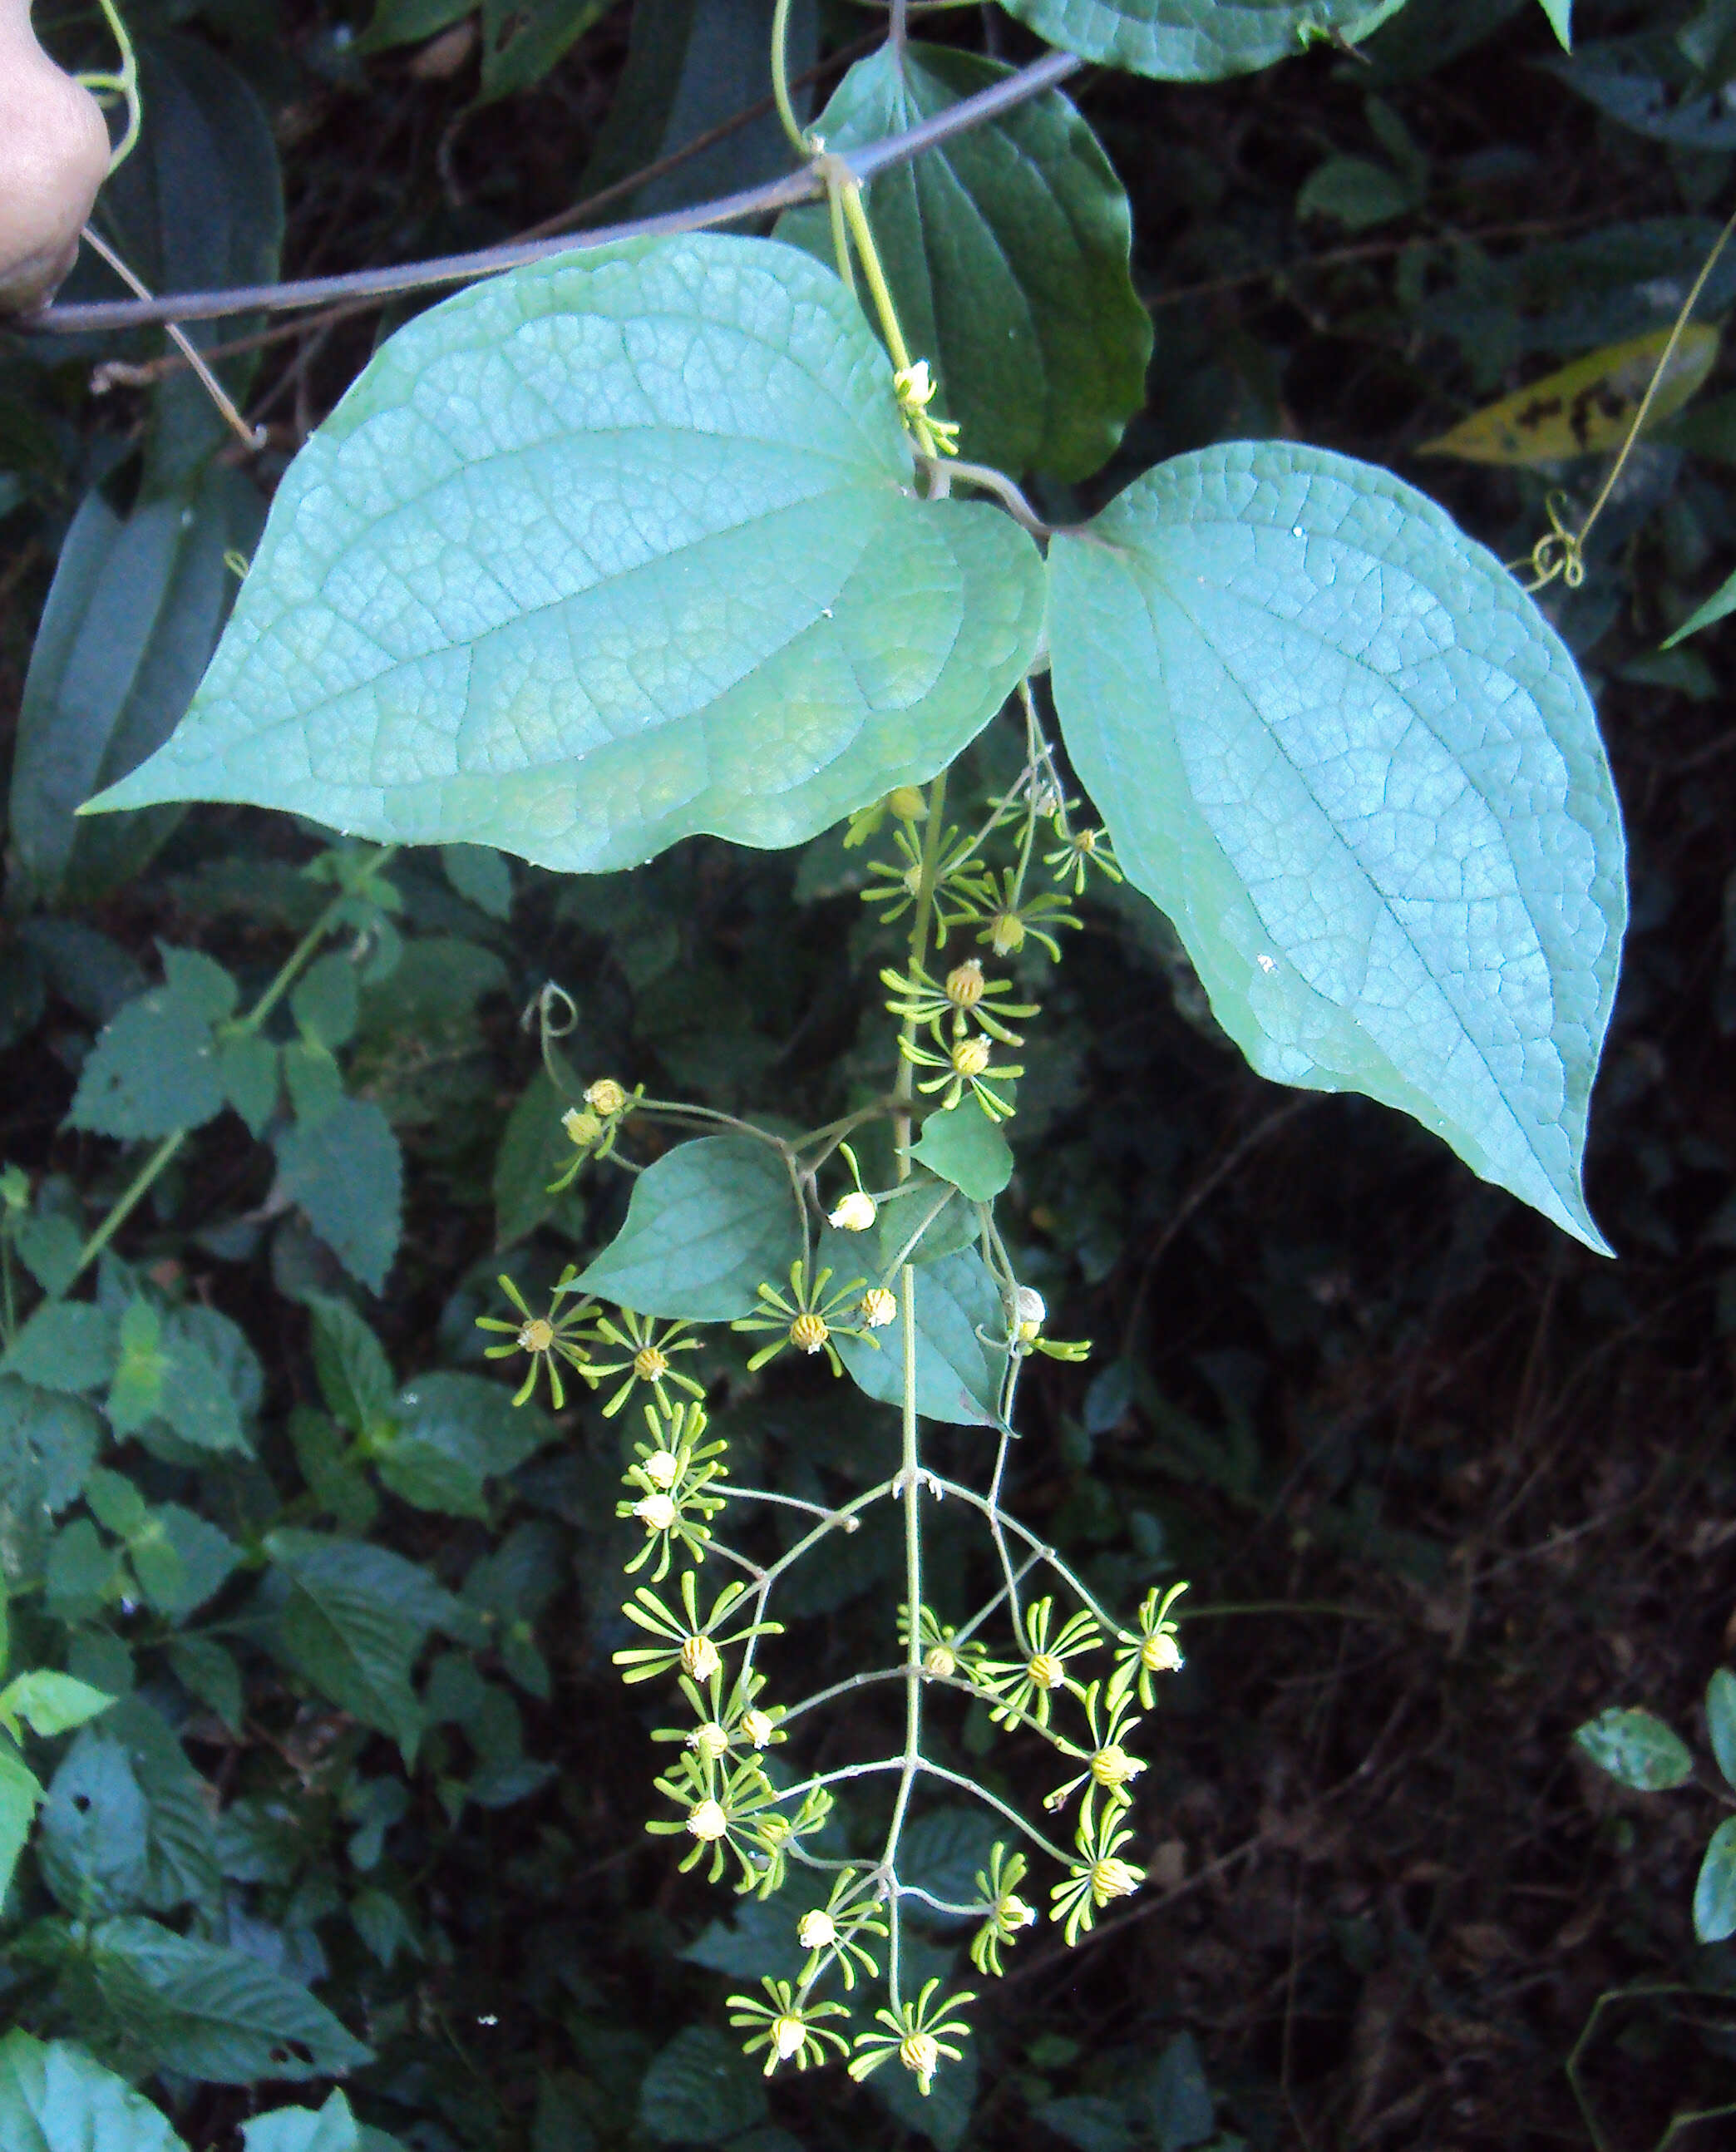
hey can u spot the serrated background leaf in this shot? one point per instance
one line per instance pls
(1195, 40)
(707, 1224)
(1350, 760)
(1007, 252)
(700, 2090)
(154, 1069)
(346, 1173)
(597, 554)
(213, 2012)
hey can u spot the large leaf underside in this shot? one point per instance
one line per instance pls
(601, 553)
(1346, 755)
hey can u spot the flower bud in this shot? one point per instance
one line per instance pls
(1112, 1878)
(970, 1057)
(663, 1468)
(941, 1659)
(855, 1214)
(1006, 933)
(964, 983)
(699, 1658)
(758, 1726)
(606, 1097)
(583, 1125)
(656, 1512)
(1112, 1767)
(788, 2034)
(709, 1741)
(907, 802)
(707, 1821)
(817, 1931)
(919, 2052)
(879, 1307)
(809, 1333)
(1160, 1654)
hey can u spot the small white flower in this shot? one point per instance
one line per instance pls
(879, 1307)
(817, 1930)
(1028, 1306)
(663, 1469)
(1111, 1879)
(919, 2052)
(656, 1512)
(855, 1214)
(709, 1741)
(758, 1726)
(788, 2034)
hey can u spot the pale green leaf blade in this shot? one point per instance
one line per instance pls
(1006, 250)
(1560, 20)
(1714, 1890)
(962, 1145)
(1343, 752)
(212, 2012)
(54, 2098)
(94, 1847)
(156, 1067)
(51, 1702)
(708, 1224)
(958, 1377)
(1196, 40)
(602, 553)
(20, 1794)
(1721, 1721)
(1636, 1747)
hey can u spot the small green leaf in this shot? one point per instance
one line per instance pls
(355, 1377)
(47, 1444)
(67, 1345)
(206, 1671)
(962, 1145)
(1347, 757)
(155, 1068)
(534, 1149)
(325, 1002)
(1721, 1721)
(180, 1561)
(135, 1395)
(1722, 602)
(522, 39)
(699, 2090)
(453, 1433)
(481, 875)
(1196, 40)
(131, 619)
(50, 1702)
(211, 2013)
(1714, 1890)
(353, 1621)
(54, 2098)
(1560, 20)
(707, 1224)
(1355, 192)
(958, 1377)
(1637, 1748)
(329, 2129)
(348, 1176)
(20, 1795)
(248, 1069)
(94, 1849)
(657, 564)
(1007, 252)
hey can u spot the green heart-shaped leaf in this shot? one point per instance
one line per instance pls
(1347, 755)
(602, 553)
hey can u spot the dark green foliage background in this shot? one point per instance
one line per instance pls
(1446, 1484)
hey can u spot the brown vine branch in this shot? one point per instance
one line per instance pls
(774, 195)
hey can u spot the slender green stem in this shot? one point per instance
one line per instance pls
(780, 79)
(1040, 1548)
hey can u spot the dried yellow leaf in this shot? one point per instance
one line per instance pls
(1584, 409)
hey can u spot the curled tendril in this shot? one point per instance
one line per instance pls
(1559, 554)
